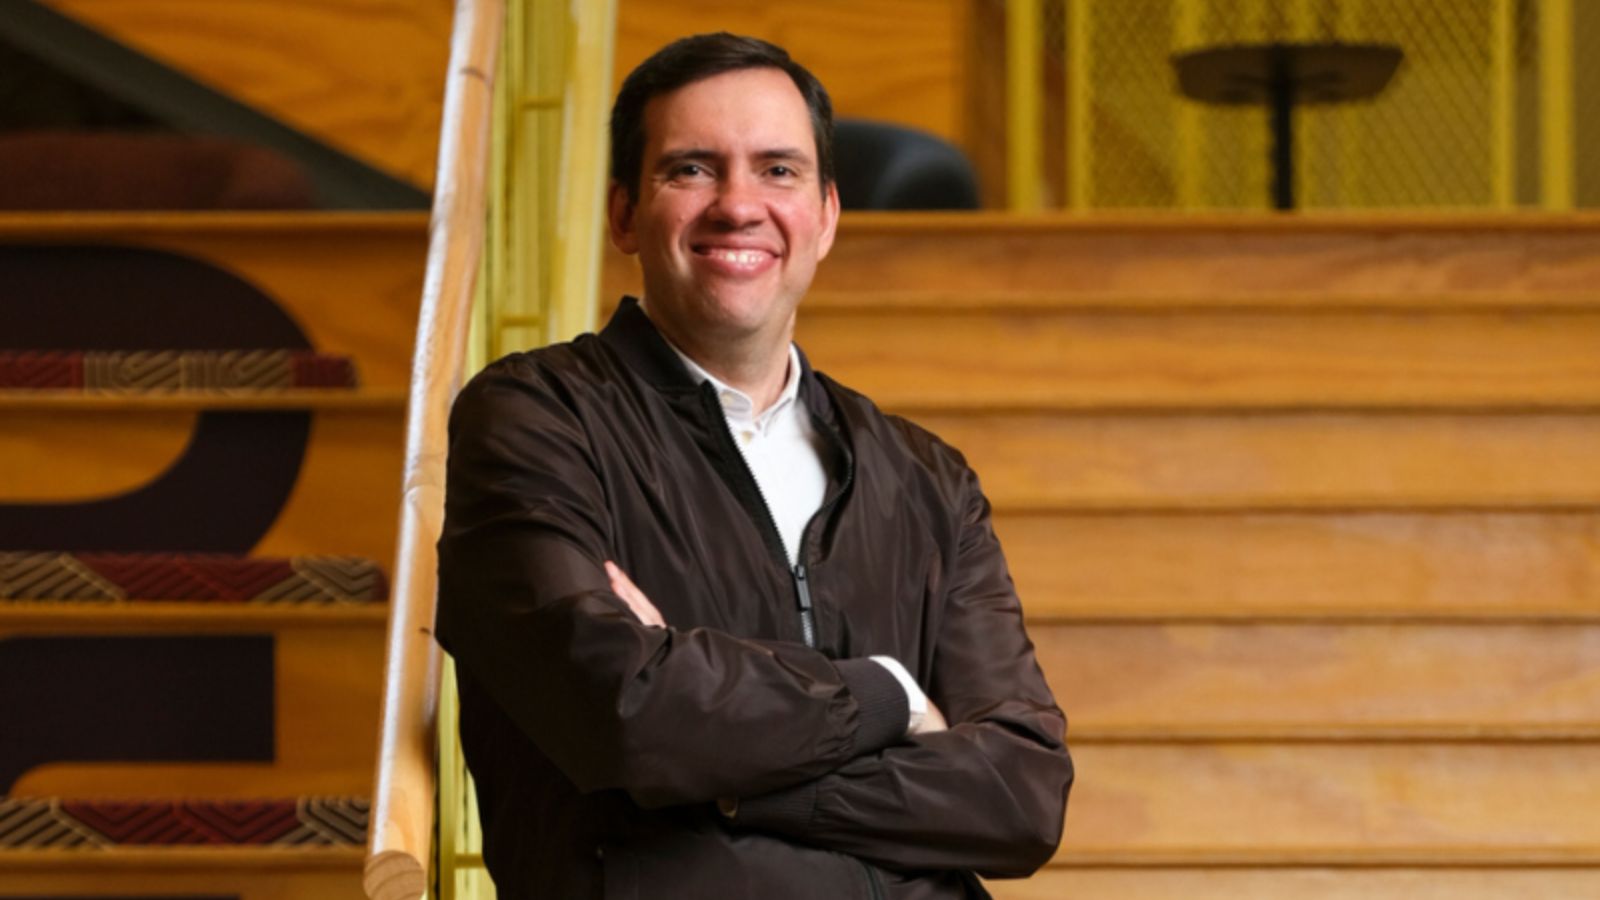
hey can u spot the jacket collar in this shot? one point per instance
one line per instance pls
(634, 338)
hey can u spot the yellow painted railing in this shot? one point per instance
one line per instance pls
(513, 262)
(1454, 129)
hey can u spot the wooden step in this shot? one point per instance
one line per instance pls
(1132, 799)
(326, 688)
(1324, 682)
(392, 400)
(1221, 314)
(271, 873)
(345, 493)
(91, 825)
(1249, 359)
(1459, 881)
(1162, 260)
(1048, 462)
(175, 371)
(1190, 257)
(99, 580)
(351, 281)
(1343, 564)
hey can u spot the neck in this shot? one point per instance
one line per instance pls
(758, 367)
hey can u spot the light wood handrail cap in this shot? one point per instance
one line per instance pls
(393, 875)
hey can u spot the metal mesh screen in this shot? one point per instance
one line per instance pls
(1442, 134)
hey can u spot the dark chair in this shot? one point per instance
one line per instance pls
(882, 166)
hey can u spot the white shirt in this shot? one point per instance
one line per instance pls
(782, 448)
(784, 451)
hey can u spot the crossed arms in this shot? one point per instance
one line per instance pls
(814, 748)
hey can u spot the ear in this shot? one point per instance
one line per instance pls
(830, 220)
(619, 215)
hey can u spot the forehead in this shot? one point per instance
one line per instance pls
(761, 108)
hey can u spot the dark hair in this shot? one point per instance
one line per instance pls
(697, 58)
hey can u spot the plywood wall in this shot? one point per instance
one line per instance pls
(902, 61)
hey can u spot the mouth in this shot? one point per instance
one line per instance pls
(735, 258)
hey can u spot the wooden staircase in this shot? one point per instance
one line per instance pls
(194, 572)
(1306, 519)
(209, 810)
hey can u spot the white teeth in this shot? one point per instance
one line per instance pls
(740, 257)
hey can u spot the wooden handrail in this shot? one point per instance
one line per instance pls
(403, 803)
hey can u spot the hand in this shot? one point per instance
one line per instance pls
(623, 587)
(932, 721)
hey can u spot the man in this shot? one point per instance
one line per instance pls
(712, 611)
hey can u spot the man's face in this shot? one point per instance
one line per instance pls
(731, 218)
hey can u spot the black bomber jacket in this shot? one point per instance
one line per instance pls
(600, 746)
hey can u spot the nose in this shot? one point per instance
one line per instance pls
(738, 202)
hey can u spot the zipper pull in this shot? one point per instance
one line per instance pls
(802, 591)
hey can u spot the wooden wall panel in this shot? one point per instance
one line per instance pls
(364, 75)
(1286, 798)
(1165, 679)
(1277, 461)
(1400, 563)
(900, 61)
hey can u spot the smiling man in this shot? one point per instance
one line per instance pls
(723, 628)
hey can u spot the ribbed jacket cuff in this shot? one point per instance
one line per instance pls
(884, 710)
(787, 811)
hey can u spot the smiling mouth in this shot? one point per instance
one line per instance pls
(735, 256)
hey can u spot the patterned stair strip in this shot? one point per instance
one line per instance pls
(176, 576)
(165, 371)
(55, 823)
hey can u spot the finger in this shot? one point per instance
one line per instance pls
(630, 593)
(933, 721)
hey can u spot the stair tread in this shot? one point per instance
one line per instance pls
(34, 225)
(318, 399)
(142, 858)
(1299, 566)
(977, 303)
(216, 578)
(30, 823)
(1329, 682)
(168, 371)
(1294, 798)
(52, 616)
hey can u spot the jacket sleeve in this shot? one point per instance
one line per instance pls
(525, 606)
(987, 795)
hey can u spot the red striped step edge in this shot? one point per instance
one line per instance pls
(92, 577)
(165, 371)
(54, 823)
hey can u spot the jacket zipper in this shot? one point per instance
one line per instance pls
(797, 572)
(808, 623)
(874, 889)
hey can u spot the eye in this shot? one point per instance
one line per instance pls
(781, 171)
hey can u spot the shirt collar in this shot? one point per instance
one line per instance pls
(736, 404)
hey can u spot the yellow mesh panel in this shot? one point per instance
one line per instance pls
(1428, 141)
